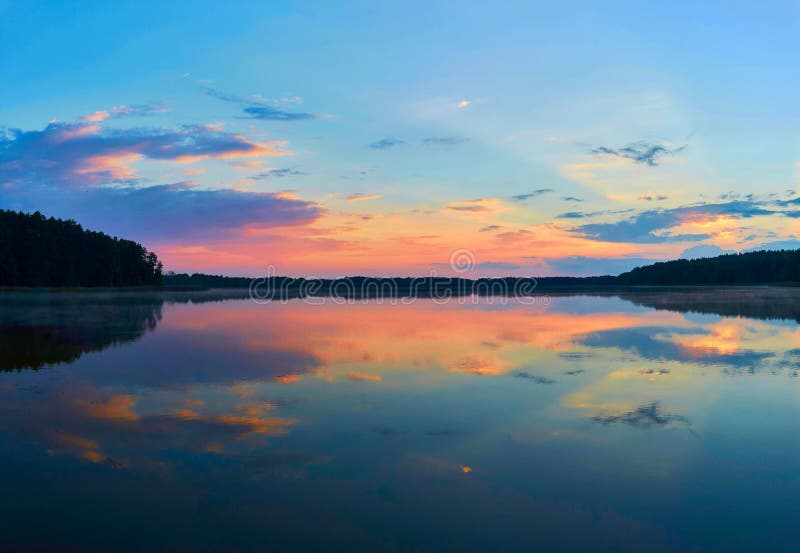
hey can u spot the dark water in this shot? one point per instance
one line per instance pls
(661, 421)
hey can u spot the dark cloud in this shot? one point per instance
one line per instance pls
(532, 194)
(271, 113)
(279, 173)
(586, 214)
(575, 355)
(470, 208)
(646, 153)
(490, 228)
(572, 199)
(650, 227)
(83, 154)
(576, 215)
(445, 140)
(385, 143)
(731, 195)
(575, 372)
(534, 378)
(645, 344)
(653, 198)
(478, 205)
(255, 108)
(790, 202)
(643, 416)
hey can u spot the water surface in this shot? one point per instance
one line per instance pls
(651, 421)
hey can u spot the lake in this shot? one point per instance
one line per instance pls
(661, 420)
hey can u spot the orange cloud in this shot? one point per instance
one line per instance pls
(114, 166)
(117, 407)
(362, 197)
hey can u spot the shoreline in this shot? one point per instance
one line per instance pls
(328, 288)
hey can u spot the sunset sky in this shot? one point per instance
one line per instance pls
(329, 139)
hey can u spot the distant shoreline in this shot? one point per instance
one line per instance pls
(538, 288)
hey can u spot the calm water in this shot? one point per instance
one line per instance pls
(664, 421)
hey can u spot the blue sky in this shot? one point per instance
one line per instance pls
(333, 138)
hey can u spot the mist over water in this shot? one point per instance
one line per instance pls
(197, 421)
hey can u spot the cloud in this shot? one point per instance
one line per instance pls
(790, 202)
(644, 416)
(655, 343)
(464, 103)
(586, 214)
(274, 114)
(476, 207)
(646, 153)
(653, 198)
(575, 215)
(83, 154)
(489, 228)
(534, 378)
(445, 140)
(572, 199)
(651, 227)
(259, 108)
(472, 208)
(385, 143)
(170, 211)
(359, 197)
(532, 194)
(279, 173)
(575, 372)
(124, 111)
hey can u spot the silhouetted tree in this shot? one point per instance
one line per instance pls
(761, 267)
(37, 251)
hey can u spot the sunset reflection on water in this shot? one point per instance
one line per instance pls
(568, 421)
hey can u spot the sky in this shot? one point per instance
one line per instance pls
(415, 138)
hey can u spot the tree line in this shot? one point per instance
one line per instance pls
(761, 267)
(200, 280)
(39, 251)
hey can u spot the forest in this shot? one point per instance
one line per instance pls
(760, 267)
(39, 251)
